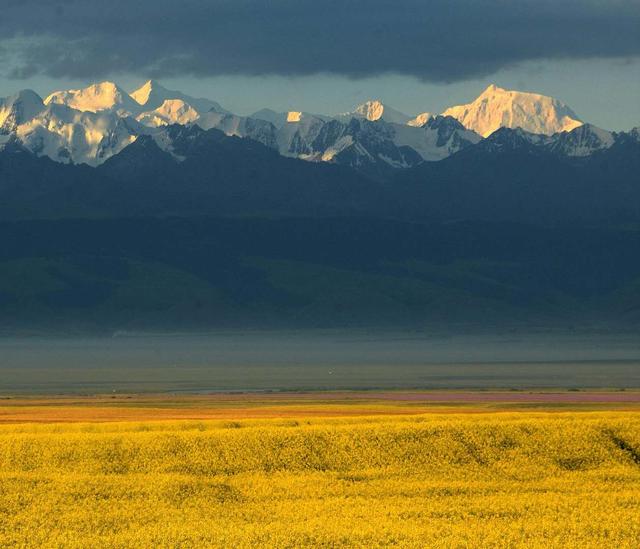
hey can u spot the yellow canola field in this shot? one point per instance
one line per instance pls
(458, 480)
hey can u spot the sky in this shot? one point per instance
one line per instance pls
(327, 56)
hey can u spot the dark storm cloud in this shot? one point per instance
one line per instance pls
(440, 40)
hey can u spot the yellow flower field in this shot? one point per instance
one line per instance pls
(525, 479)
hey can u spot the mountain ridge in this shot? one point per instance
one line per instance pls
(89, 125)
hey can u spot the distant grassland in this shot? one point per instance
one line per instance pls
(526, 479)
(266, 405)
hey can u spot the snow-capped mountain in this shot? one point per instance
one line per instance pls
(499, 108)
(19, 108)
(151, 96)
(421, 119)
(373, 110)
(362, 144)
(373, 145)
(68, 135)
(437, 138)
(103, 96)
(92, 124)
(152, 103)
(356, 141)
(581, 141)
(296, 136)
(240, 126)
(172, 111)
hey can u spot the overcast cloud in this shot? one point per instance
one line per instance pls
(437, 41)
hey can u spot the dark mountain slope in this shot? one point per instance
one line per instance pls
(201, 273)
(503, 232)
(507, 178)
(209, 173)
(504, 177)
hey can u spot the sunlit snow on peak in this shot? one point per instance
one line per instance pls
(498, 108)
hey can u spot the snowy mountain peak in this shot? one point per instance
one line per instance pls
(172, 111)
(497, 108)
(492, 88)
(68, 135)
(376, 110)
(420, 120)
(371, 110)
(98, 97)
(18, 108)
(151, 95)
(28, 98)
(144, 92)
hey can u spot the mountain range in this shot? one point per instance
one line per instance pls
(93, 124)
(159, 210)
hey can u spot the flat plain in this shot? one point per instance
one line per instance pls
(362, 469)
